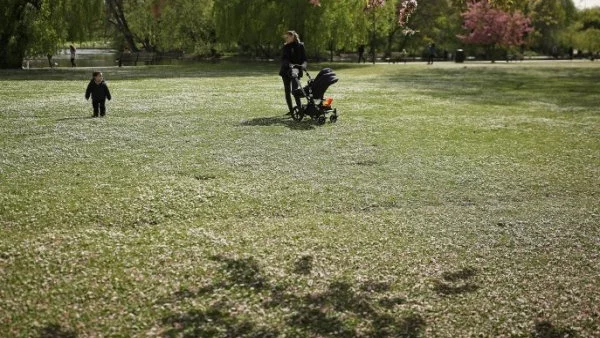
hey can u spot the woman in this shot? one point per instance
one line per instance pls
(292, 54)
(73, 51)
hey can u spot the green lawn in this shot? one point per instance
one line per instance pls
(447, 201)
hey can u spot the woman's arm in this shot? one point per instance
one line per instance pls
(302, 56)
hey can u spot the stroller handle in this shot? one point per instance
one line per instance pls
(303, 66)
(295, 67)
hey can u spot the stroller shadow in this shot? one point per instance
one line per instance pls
(56, 331)
(75, 118)
(280, 121)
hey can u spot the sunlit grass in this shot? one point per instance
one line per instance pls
(450, 200)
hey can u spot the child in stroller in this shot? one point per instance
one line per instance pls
(317, 107)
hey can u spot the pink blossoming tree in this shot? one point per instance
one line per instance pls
(491, 27)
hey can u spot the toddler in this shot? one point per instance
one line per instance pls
(98, 89)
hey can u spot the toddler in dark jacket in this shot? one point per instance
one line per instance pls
(98, 89)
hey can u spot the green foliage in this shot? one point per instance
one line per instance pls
(332, 26)
(258, 25)
(549, 18)
(16, 20)
(83, 20)
(584, 32)
(186, 25)
(255, 26)
(342, 25)
(436, 21)
(40, 26)
(587, 36)
(48, 29)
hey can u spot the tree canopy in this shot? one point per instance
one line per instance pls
(254, 27)
(493, 27)
(30, 27)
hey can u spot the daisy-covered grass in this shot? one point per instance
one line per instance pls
(453, 200)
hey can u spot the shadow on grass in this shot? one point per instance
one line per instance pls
(69, 118)
(563, 87)
(141, 72)
(216, 321)
(56, 331)
(453, 283)
(342, 309)
(199, 69)
(281, 121)
(242, 302)
(545, 329)
(304, 265)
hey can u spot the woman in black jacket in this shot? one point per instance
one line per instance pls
(292, 53)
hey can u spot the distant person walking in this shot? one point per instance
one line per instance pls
(99, 92)
(403, 55)
(73, 52)
(430, 53)
(361, 53)
(293, 55)
(570, 53)
(50, 63)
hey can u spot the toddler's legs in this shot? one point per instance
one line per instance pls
(99, 107)
(102, 108)
(95, 105)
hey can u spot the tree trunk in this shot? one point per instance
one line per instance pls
(331, 47)
(373, 36)
(390, 41)
(115, 9)
(266, 52)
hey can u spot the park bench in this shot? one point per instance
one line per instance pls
(348, 57)
(134, 58)
(396, 57)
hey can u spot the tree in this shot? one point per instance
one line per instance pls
(372, 10)
(435, 21)
(398, 11)
(259, 24)
(549, 18)
(249, 24)
(39, 26)
(341, 26)
(185, 25)
(506, 5)
(116, 16)
(584, 33)
(491, 27)
(16, 19)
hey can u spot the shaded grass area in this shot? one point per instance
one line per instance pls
(447, 201)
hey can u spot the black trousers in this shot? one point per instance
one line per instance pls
(289, 84)
(99, 107)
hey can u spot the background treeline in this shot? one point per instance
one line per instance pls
(253, 28)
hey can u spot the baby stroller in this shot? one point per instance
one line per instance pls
(317, 107)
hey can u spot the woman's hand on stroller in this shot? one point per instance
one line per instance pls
(294, 71)
(302, 66)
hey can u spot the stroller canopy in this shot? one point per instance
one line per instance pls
(324, 79)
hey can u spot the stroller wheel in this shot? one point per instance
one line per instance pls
(297, 114)
(321, 119)
(333, 118)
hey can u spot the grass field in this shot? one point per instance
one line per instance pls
(447, 201)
